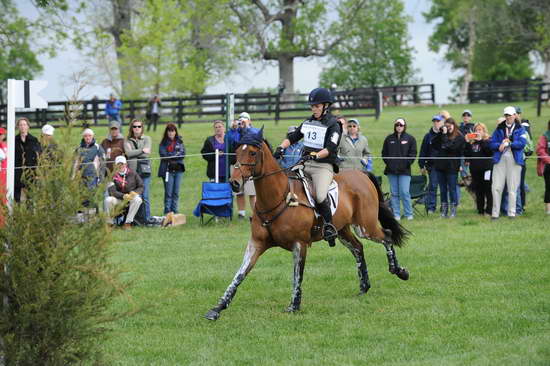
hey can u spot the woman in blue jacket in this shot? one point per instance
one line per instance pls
(172, 153)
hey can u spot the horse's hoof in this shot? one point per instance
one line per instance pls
(403, 274)
(212, 315)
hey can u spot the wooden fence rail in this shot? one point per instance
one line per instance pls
(500, 91)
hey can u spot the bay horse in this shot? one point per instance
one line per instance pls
(278, 223)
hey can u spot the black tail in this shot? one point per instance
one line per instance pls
(398, 233)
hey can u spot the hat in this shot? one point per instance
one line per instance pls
(120, 159)
(400, 120)
(353, 120)
(509, 110)
(437, 117)
(467, 111)
(291, 129)
(88, 131)
(114, 124)
(48, 130)
(244, 115)
(2, 131)
(518, 109)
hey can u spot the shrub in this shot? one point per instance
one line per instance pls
(58, 278)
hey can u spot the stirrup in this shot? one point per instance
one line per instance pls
(330, 233)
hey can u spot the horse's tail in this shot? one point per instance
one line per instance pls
(398, 233)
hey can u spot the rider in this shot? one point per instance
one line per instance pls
(321, 134)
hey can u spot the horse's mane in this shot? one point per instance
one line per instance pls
(268, 146)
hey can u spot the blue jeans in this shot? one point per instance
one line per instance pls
(448, 187)
(431, 196)
(400, 191)
(145, 196)
(172, 192)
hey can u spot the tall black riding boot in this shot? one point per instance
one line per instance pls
(329, 231)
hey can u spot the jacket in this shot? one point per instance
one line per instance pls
(112, 108)
(333, 134)
(428, 149)
(26, 154)
(207, 154)
(134, 150)
(90, 162)
(131, 181)
(518, 141)
(292, 155)
(113, 148)
(176, 156)
(479, 149)
(543, 152)
(403, 146)
(449, 148)
(351, 153)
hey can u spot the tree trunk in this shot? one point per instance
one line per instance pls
(546, 62)
(469, 57)
(122, 23)
(286, 73)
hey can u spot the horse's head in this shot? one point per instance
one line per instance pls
(250, 158)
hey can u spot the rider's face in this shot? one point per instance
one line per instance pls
(317, 110)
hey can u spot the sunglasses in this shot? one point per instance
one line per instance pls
(352, 126)
(136, 126)
(399, 125)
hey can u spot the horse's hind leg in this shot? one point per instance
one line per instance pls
(394, 268)
(251, 255)
(356, 248)
(299, 252)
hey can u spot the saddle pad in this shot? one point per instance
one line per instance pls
(332, 195)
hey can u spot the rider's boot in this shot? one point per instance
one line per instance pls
(329, 231)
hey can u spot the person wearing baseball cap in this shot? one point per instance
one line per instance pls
(353, 149)
(248, 188)
(507, 143)
(430, 149)
(127, 187)
(49, 147)
(466, 126)
(90, 159)
(113, 144)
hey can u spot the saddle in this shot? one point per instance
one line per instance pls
(298, 174)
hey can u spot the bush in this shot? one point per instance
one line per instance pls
(58, 280)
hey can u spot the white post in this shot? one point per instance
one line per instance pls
(11, 141)
(217, 166)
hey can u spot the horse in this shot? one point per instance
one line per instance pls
(292, 225)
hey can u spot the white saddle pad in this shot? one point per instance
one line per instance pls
(332, 196)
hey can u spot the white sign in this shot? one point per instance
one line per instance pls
(26, 93)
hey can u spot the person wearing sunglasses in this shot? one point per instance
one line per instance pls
(399, 153)
(138, 150)
(354, 147)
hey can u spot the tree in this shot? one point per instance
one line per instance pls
(381, 54)
(281, 31)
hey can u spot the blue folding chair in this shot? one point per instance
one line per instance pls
(216, 200)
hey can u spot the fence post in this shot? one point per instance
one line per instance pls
(277, 108)
(378, 98)
(37, 117)
(395, 95)
(132, 110)
(180, 112)
(95, 109)
(269, 103)
(415, 94)
(246, 103)
(224, 103)
(432, 89)
(539, 100)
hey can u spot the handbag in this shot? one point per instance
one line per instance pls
(143, 166)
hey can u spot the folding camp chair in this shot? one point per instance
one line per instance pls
(418, 191)
(216, 200)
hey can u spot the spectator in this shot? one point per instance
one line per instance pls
(27, 150)
(126, 187)
(507, 143)
(354, 147)
(466, 126)
(293, 153)
(248, 189)
(211, 144)
(481, 167)
(138, 150)
(450, 143)
(525, 123)
(90, 160)
(112, 110)
(430, 149)
(113, 145)
(153, 112)
(172, 153)
(3, 162)
(543, 164)
(528, 150)
(399, 145)
(47, 142)
(234, 135)
(445, 114)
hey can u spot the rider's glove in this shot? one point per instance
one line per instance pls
(311, 156)
(278, 152)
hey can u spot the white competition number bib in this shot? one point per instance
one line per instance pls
(314, 135)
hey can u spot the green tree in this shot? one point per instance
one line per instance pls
(376, 52)
(283, 30)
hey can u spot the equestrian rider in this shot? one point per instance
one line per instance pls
(321, 134)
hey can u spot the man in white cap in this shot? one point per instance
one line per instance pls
(248, 188)
(49, 147)
(507, 143)
(127, 186)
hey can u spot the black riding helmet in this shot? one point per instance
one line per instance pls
(320, 96)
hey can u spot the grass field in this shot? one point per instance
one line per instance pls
(478, 294)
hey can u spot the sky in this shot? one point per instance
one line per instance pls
(431, 67)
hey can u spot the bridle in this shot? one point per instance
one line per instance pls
(254, 175)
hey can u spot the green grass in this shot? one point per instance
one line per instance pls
(478, 294)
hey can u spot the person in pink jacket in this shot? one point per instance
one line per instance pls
(543, 164)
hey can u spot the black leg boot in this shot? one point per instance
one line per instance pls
(329, 231)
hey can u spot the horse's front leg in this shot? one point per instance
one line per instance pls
(394, 268)
(251, 255)
(299, 252)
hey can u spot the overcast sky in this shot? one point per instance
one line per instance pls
(306, 71)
